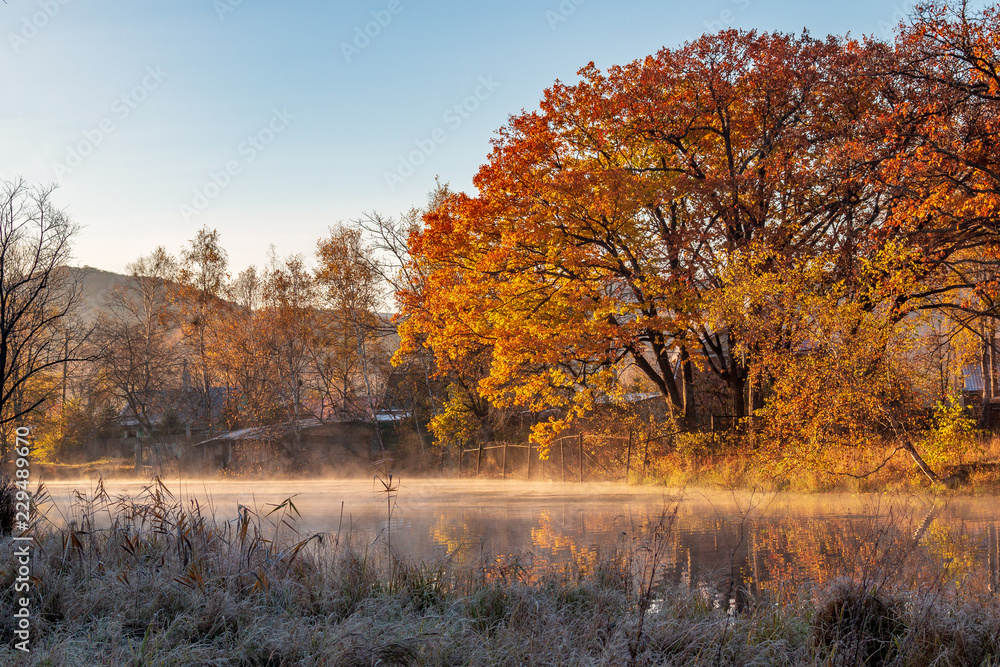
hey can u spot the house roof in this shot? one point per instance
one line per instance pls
(630, 397)
(973, 379)
(384, 416)
(271, 433)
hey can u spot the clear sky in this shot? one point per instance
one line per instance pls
(270, 121)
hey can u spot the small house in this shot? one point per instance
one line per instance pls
(306, 444)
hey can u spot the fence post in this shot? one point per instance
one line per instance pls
(581, 458)
(562, 457)
(994, 555)
(505, 459)
(479, 459)
(529, 461)
(645, 459)
(461, 455)
(628, 457)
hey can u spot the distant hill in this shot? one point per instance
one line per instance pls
(96, 286)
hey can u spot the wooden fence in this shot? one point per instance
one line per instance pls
(584, 463)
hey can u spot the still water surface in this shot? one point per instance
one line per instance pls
(768, 543)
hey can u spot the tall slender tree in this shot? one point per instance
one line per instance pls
(202, 277)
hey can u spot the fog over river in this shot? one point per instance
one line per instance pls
(768, 543)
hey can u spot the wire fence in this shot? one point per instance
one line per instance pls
(576, 457)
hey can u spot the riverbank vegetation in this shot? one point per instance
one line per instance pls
(154, 580)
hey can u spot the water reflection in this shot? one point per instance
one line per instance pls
(768, 546)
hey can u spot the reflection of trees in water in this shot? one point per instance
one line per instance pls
(567, 539)
(899, 550)
(775, 559)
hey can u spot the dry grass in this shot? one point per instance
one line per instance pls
(153, 581)
(105, 467)
(728, 463)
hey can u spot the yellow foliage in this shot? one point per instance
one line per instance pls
(952, 434)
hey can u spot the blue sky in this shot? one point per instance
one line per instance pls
(270, 121)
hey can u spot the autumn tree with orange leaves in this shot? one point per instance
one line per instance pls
(604, 219)
(608, 223)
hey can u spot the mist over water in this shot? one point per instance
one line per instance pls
(768, 543)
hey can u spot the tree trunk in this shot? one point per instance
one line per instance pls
(628, 458)
(994, 378)
(368, 387)
(737, 393)
(924, 468)
(416, 427)
(645, 459)
(687, 374)
(986, 367)
(756, 391)
(662, 375)
(562, 458)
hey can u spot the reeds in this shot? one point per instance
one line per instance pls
(154, 580)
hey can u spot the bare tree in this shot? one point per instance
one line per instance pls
(136, 340)
(388, 258)
(38, 297)
(352, 287)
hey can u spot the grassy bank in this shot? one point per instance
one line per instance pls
(152, 581)
(106, 468)
(737, 464)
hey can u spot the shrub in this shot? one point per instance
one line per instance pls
(952, 434)
(859, 626)
(8, 499)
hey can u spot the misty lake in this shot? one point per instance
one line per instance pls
(771, 543)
